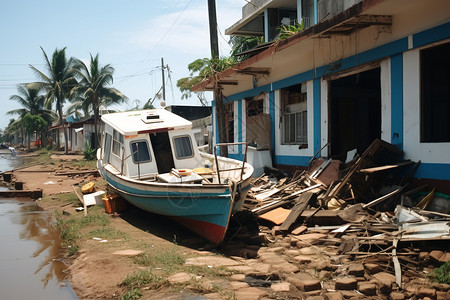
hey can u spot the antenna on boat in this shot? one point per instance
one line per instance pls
(163, 81)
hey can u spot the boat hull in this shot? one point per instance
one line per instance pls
(204, 209)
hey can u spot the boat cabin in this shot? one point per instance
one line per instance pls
(143, 144)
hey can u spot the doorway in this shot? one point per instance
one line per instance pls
(355, 112)
(163, 151)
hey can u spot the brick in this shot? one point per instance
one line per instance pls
(383, 276)
(440, 295)
(353, 295)
(304, 283)
(346, 284)
(367, 288)
(237, 277)
(250, 293)
(410, 291)
(445, 258)
(372, 268)
(333, 296)
(281, 287)
(426, 292)
(292, 253)
(237, 285)
(308, 251)
(303, 259)
(397, 296)
(436, 255)
(180, 278)
(276, 249)
(356, 270)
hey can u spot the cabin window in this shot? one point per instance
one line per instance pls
(183, 146)
(294, 115)
(107, 148)
(140, 151)
(435, 94)
(117, 142)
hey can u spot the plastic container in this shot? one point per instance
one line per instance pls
(114, 203)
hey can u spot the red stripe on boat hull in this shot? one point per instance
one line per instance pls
(212, 232)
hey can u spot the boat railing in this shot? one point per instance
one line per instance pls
(218, 170)
(138, 161)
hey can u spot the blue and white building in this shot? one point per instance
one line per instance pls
(359, 70)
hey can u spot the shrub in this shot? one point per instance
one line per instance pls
(89, 152)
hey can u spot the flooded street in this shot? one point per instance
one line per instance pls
(29, 250)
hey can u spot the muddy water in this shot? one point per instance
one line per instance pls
(29, 250)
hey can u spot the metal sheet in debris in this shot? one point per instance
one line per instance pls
(425, 231)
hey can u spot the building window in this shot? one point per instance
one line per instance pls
(117, 142)
(255, 106)
(183, 146)
(294, 115)
(435, 94)
(140, 151)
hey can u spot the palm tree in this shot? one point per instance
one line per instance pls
(241, 44)
(93, 88)
(30, 99)
(32, 102)
(58, 82)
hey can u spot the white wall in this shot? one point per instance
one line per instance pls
(414, 149)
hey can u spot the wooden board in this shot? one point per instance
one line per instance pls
(297, 210)
(276, 216)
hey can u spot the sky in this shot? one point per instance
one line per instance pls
(132, 36)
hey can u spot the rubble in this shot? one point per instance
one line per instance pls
(339, 230)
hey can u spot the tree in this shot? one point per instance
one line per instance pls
(240, 44)
(8, 133)
(57, 83)
(33, 123)
(202, 69)
(32, 102)
(93, 89)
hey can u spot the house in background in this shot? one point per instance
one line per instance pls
(81, 132)
(362, 70)
(200, 116)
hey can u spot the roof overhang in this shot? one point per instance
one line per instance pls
(347, 22)
(252, 21)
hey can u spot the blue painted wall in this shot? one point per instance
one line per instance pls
(394, 50)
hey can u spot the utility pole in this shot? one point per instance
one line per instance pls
(163, 80)
(220, 108)
(213, 29)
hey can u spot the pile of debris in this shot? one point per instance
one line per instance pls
(365, 208)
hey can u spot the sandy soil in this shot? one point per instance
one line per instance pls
(96, 271)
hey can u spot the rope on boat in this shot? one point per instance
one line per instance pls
(233, 186)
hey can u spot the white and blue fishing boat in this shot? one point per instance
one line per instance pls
(150, 159)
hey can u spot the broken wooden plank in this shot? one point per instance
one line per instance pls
(266, 194)
(398, 270)
(80, 197)
(80, 172)
(386, 167)
(33, 194)
(382, 198)
(297, 210)
(276, 216)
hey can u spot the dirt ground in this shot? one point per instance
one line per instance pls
(97, 269)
